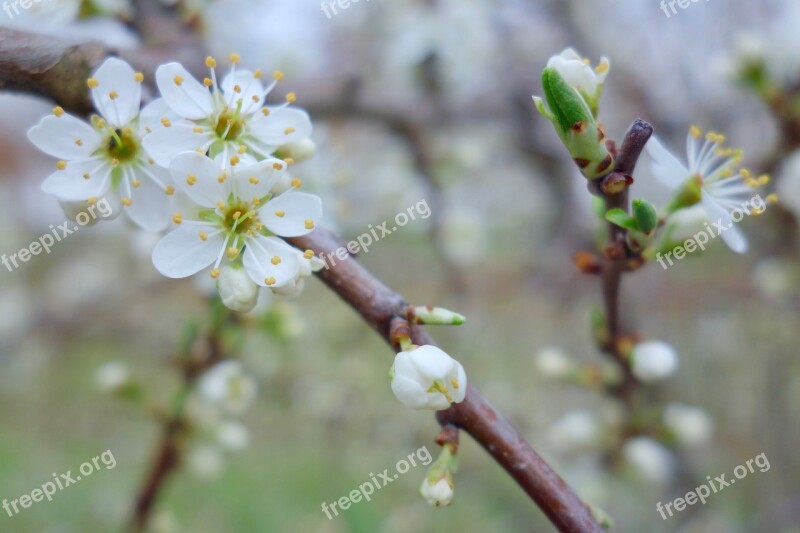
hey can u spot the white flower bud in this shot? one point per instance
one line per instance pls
(428, 378)
(438, 494)
(691, 425)
(112, 376)
(654, 361)
(206, 462)
(650, 459)
(575, 431)
(579, 74)
(554, 363)
(227, 387)
(237, 290)
(233, 436)
(298, 150)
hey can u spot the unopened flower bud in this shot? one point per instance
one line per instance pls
(426, 377)
(237, 289)
(653, 361)
(433, 316)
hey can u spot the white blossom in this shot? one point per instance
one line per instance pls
(227, 387)
(579, 74)
(650, 459)
(691, 425)
(438, 494)
(428, 378)
(653, 361)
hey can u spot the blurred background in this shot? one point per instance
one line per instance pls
(424, 100)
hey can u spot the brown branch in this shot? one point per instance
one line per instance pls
(378, 305)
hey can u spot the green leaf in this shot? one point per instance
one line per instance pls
(620, 218)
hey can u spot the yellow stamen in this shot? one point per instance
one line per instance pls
(222, 177)
(139, 77)
(92, 83)
(178, 80)
(234, 58)
(269, 281)
(58, 111)
(203, 236)
(288, 131)
(211, 62)
(275, 260)
(136, 183)
(169, 190)
(257, 73)
(309, 224)
(235, 160)
(232, 252)
(215, 273)
(308, 254)
(127, 202)
(265, 111)
(278, 75)
(61, 165)
(242, 149)
(291, 98)
(177, 218)
(207, 82)
(280, 214)
(695, 131)
(165, 121)
(254, 180)
(191, 179)
(277, 166)
(91, 201)
(296, 183)
(113, 95)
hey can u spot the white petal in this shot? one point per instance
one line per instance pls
(118, 95)
(163, 144)
(65, 137)
(666, 167)
(206, 190)
(732, 236)
(271, 130)
(151, 115)
(249, 86)
(182, 252)
(258, 179)
(70, 185)
(190, 99)
(297, 208)
(258, 257)
(150, 206)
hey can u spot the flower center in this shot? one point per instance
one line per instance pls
(122, 145)
(241, 218)
(229, 125)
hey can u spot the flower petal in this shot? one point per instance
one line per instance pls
(182, 252)
(150, 206)
(152, 113)
(118, 95)
(666, 167)
(197, 176)
(282, 125)
(258, 179)
(732, 236)
(70, 185)
(289, 214)
(164, 144)
(183, 94)
(65, 137)
(260, 258)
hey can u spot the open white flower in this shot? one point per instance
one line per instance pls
(713, 167)
(238, 218)
(579, 74)
(106, 159)
(426, 377)
(226, 118)
(438, 494)
(653, 361)
(226, 386)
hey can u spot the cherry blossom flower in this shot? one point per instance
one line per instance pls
(106, 158)
(426, 377)
(225, 118)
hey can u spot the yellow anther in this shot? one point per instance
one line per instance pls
(277, 166)
(211, 62)
(79, 142)
(309, 224)
(232, 252)
(695, 131)
(454, 383)
(288, 161)
(165, 121)
(772, 198)
(254, 180)
(258, 73)
(136, 183)
(278, 75)
(296, 183)
(242, 149)
(220, 205)
(150, 161)
(178, 80)
(601, 68)
(280, 214)
(288, 131)
(237, 89)
(177, 218)
(197, 129)
(291, 98)
(92, 83)
(236, 215)
(715, 137)
(113, 95)
(235, 160)
(222, 177)
(86, 175)
(265, 111)
(256, 201)
(127, 202)
(207, 82)
(91, 201)
(275, 260)
(234, 58)
(269, 281)
(308, 254)
(255, 98)
(191, 179)
(61, 165)
(215, 273)
(139, 77)
(763, 179)
(169, 190)
(58, 111)
(203, 236)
